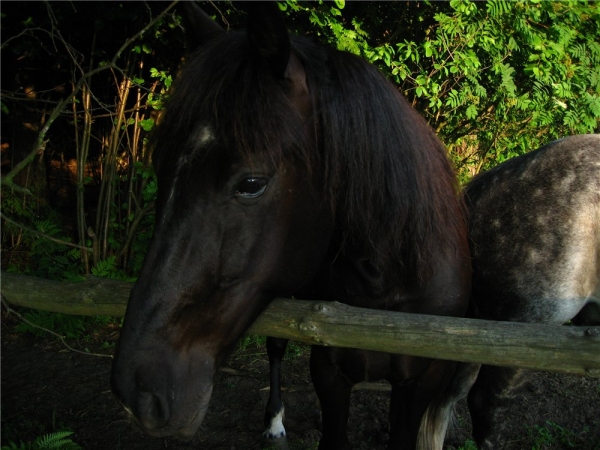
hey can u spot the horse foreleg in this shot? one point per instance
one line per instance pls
(274, 412)
(434, 423)
(333, 390)
(488, 401)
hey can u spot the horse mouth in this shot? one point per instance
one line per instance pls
(188, 432)
(185, 430)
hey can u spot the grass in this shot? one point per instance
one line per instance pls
(253, 342)
(549, 436)
(553, 435)
(468, 445)
(38, 323)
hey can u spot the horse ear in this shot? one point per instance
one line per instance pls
(268, 35)
(199, 27)
(269, 38)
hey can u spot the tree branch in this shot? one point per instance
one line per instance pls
(141, 32)
(7, 180)
(45, 236)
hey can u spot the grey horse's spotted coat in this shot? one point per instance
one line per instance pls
(534, 231)
(535, 234)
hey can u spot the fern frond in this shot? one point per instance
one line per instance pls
(55, 441)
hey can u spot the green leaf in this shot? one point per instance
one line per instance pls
(335, 11)
(471, 112)
(593, 102)
(428, 49)
(147, 124)
(316, 18)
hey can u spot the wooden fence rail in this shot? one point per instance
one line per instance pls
(567, 349)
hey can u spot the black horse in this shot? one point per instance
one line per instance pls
(534, 229)
(288, 169)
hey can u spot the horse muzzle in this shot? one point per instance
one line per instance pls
(153, 417)
(164, 398)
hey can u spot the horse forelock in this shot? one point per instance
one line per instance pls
(224, 88)
(387, 176)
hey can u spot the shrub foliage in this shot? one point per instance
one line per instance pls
(84, 84)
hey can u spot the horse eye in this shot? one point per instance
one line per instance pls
(251, 187)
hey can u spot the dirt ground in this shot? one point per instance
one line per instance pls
(47, 388)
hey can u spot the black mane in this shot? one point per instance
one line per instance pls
(387, 175)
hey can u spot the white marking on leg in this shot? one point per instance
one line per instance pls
(276, 429)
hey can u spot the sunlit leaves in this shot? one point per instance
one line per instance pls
(163, 76)
(145, 48)
(504, 68)
(494, 79)
(471, 112)
(463, 6)
(147, 124)
(498, 7)
(593, 102)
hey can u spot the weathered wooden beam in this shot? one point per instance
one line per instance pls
(567, 349)
(92, 297)
(574, 350)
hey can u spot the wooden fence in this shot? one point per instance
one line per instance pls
(566, 349)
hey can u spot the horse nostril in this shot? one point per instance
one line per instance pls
(153, 411)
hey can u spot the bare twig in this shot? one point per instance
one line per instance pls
(39, 233)
(24, 32)
(141, 33)
(133, 228)
(7, 180)
(223, 18)
(241, 373)
(46, 330)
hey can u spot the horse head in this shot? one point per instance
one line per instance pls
(240, 217)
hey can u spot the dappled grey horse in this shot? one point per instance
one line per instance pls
(534, 231)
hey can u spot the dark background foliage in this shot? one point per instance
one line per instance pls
(82, 87)
(83, 84)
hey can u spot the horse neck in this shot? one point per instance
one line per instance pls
(350, 275)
